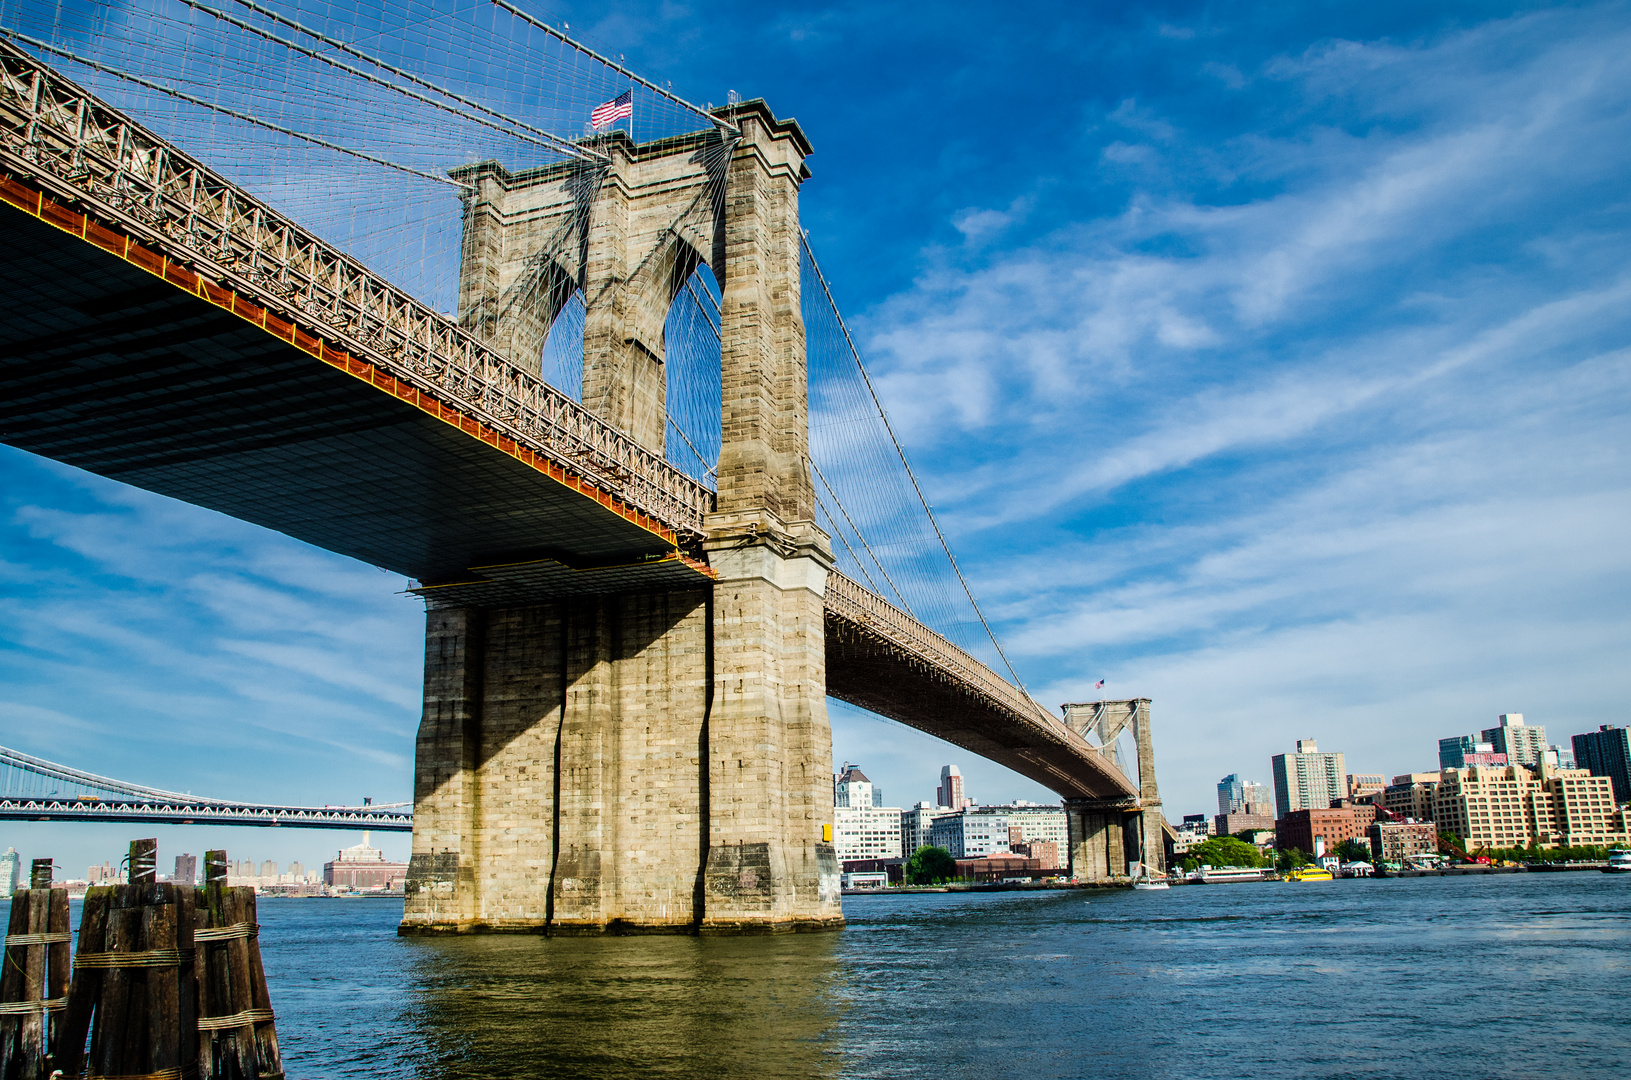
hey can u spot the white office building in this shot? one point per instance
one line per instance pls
(1037, 822)
(866, 832)
(970, 834)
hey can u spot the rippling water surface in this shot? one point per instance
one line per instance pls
(1508, 976)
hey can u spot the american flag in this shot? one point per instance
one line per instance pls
(610, 112)
(1099, 685)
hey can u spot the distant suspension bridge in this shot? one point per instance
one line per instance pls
(33, 789)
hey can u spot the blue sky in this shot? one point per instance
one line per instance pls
(1269, 361)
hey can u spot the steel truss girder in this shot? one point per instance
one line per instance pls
(63, 138)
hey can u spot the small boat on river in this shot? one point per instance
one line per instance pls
(1310, 873)
(1619, 862)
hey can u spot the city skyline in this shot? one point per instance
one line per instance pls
(1274, 372)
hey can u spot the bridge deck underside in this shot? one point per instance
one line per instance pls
(111, 369)
(869, 671)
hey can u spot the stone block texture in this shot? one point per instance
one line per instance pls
(650, 762)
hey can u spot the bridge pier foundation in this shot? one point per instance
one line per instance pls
(649, 763)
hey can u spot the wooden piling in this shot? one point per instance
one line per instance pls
(167, 982)
(34, 981)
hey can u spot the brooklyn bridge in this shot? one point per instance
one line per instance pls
(590, 391)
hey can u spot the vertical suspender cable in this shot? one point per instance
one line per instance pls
(900, 450)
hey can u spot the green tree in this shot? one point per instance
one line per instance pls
(1353, 851)
(1291, 858)
(1225, 851)
(930, 866)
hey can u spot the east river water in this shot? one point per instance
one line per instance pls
(1521, 975)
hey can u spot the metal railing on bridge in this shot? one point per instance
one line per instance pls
(80, 149)
(33, 789)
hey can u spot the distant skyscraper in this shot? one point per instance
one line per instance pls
(11, 870)
(1308, 779)
(1231, 795)
(1522, 743)
(269, 869)
(186, 870)
(950, 791)
(1607, 752)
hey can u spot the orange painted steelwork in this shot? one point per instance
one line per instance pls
(37, 204)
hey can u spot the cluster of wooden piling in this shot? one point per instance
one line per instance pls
(166, 983)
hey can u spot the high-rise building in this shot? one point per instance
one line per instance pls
(1231, 795)
(1468, 751)
(950, 791)
(1308, 779)
(1511, 807)
(269, 870)
(1607, 752)
(11, 870)
(186, 870)
(1521, 743)
(1259, 799)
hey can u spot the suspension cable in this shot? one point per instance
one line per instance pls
(245, 117)
(862, 538)
(538, 24)
(901, 451)
(553, 142)
(842, 539)
(564, 145)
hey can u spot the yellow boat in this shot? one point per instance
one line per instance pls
(1309, 873)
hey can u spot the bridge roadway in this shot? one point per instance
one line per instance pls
(166, 329)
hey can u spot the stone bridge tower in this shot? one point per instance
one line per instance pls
(655, 761)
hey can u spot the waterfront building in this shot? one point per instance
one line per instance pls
(11, 870)
(914, 826)
(1000, 867)
(1192, 830)
(1319, 831)
(950, 792)
(1365, 784)
(1513, 807)
(186, 870)
(1396, 841)
(1606, 752)
(970, 834)
(1522, 743)
(1043, 852)
(1308, 779)
(1037, 822)
(1235, 824)
(867, 832)
(363, 867)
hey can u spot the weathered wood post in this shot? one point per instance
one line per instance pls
(35, 980)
